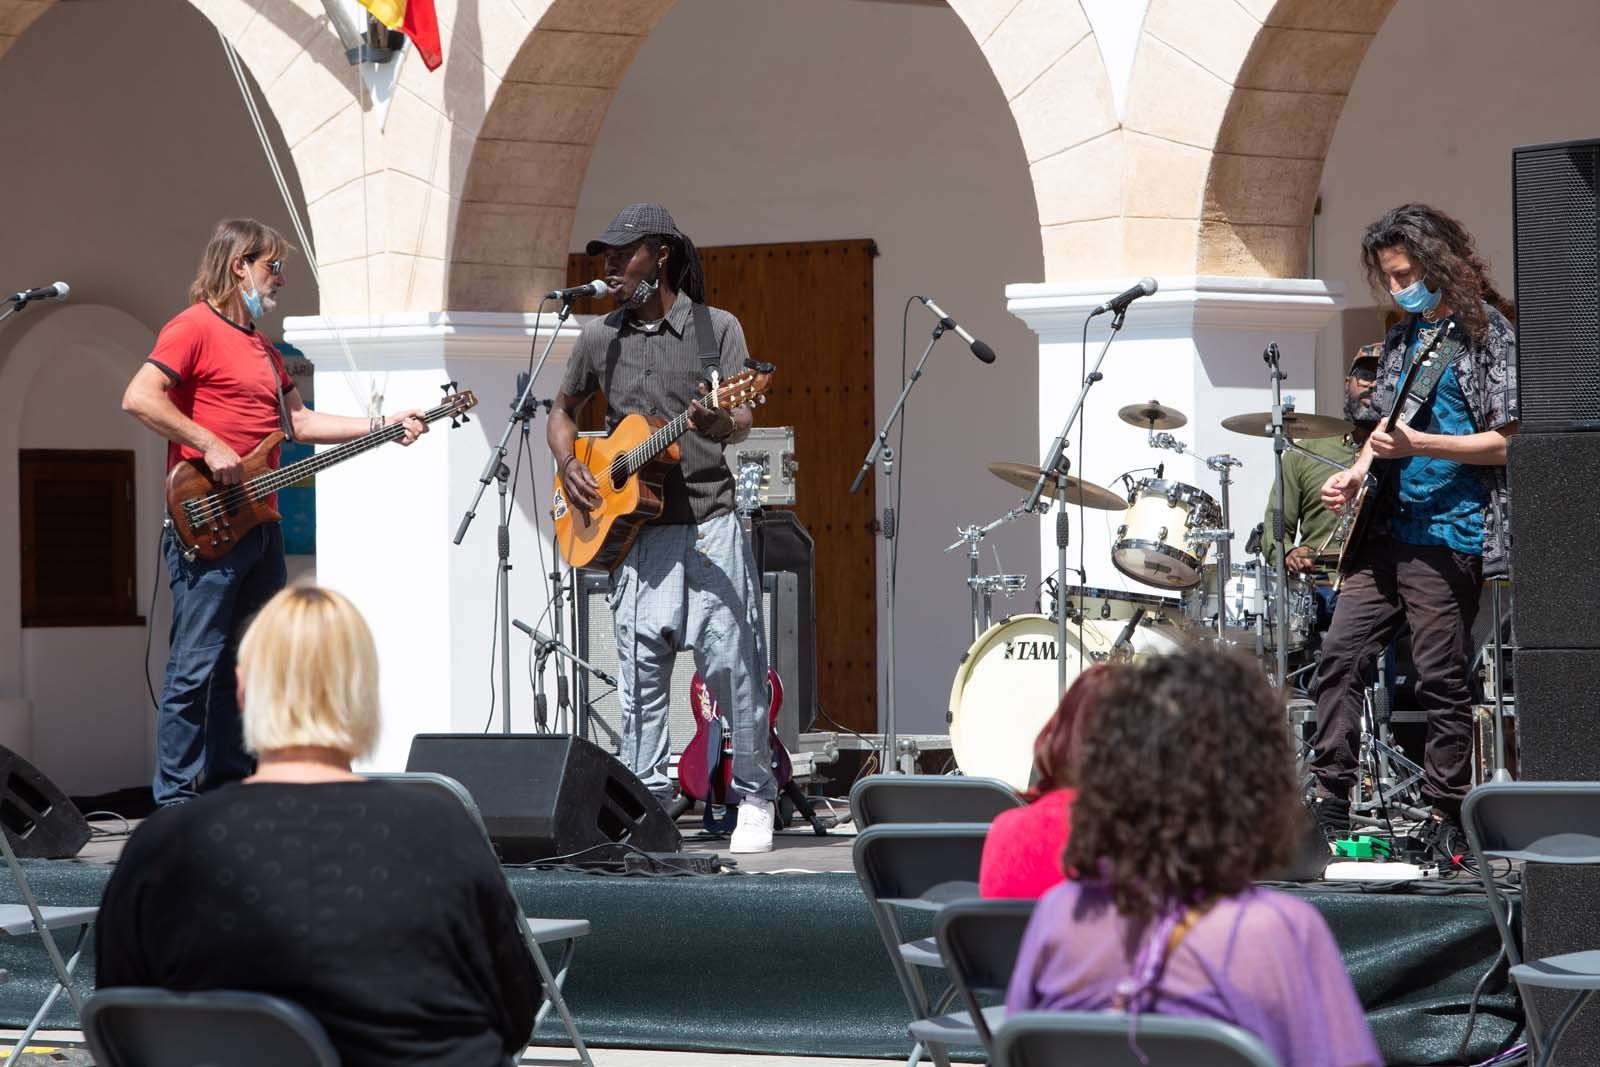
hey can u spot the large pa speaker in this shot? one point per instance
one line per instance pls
(544, 795)
(1556, 235)
(1558, 690)
(1555, 558)
(39, 820)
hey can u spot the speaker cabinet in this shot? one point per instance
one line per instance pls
(544, 795)
(39, 820)
(1555, 558)
(1556, 236)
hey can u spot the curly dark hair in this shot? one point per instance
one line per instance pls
(1449, 259)
(1055, 751)
(1186, 782)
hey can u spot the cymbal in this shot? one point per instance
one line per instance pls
(1024, 475)
(1152, 416)
(1298, 425)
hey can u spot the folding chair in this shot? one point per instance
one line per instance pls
(1052, 1038)
(1537, 822)
(538, 932)
(978, 941)
(926, 798)
(29, 918)
(921, 869)
(131, 1027)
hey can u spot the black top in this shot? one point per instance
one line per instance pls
(376, 906)
(657, 372)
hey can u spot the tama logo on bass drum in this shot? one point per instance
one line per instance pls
(1030, 648)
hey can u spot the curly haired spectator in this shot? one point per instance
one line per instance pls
(1186, 791)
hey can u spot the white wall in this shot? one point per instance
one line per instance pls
(1511, 75)
(763, 120)
(125, 140)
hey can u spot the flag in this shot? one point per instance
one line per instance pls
(417, 19)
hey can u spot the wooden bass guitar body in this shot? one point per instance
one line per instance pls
(208, 519)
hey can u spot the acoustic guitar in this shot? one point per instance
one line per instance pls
(629, 465)
(209, 518)
(1416, 389)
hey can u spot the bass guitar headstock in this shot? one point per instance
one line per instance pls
(456, 404)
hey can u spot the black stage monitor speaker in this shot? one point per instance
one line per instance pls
(1555, 559)
(1558, 690)
(39, 820)
(1556, 236)
(544, 795)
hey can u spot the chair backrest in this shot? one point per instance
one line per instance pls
(1049, 1039)
(924, 798)
(157, 1028)
(442, 783)
(978, 941)
(939, 862)
(1541, 822)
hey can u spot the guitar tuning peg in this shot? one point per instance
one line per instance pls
(445, 388)
(465, 417)
(454, 385)
(454, 424)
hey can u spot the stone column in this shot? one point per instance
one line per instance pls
(1195, 345)
(386, 519)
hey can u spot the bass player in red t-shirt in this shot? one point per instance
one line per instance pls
(214, 387)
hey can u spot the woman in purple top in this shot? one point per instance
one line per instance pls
(1186, 792)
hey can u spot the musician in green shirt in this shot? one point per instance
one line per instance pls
(1307, 522)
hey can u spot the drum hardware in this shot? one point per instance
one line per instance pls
(1078, 491)
(972, 537)
(989, 585)
(1222, 465)
(1152, 416)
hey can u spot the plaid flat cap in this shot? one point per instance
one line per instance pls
(633, 222)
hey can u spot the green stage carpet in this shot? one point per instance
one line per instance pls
(791, 963)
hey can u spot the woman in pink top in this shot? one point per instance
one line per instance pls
(1022, 852)
(1186, 791)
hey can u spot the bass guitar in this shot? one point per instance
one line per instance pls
(1415, 390)
(209, 519)
(629, 465)
(705, 768)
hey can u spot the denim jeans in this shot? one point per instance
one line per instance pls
(199, 736)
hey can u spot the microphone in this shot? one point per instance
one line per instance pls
(578, 292)
(54, 291)
(1252, 547)
(979, 349)
(1120, 302)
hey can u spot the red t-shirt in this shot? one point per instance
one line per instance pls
(222, 379)
(1022, 852)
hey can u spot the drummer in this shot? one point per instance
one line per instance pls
(1307, 522)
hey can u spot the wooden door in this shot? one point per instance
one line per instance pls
(807, 306)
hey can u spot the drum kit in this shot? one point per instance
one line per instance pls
(1007, 686)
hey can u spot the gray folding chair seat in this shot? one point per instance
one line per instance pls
(905, 868)
(538, 932)
(1537, 822)
(1058, 1038)
(18, 920)
(978, 940)
(909, 798)
(130, 1027)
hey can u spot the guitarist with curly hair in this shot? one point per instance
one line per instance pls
(1433, 521)
(689, 578)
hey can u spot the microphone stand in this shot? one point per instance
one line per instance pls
(1279, 444)
(1055, 465)
(544, 646)
(496, 470)
(881, 449)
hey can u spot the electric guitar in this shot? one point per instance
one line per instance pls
(629, 466)
(1416, 389)
(209, 518)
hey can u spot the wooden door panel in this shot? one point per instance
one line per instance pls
(807, 307)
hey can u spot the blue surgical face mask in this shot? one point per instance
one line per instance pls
(1417, 298)
(255, 301)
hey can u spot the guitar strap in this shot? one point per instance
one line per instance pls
(705, 339)
(1420, 394)
(275, 364)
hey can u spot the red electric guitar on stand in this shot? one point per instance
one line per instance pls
(705, 769)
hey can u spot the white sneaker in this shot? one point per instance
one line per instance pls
(754, 832)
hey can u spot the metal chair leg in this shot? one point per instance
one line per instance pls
(552, 992)
(63, 982)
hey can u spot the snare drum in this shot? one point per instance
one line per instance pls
(1240, 606)
(1005, 690)
(1156, 542)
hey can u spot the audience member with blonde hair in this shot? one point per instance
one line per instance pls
(376, 906)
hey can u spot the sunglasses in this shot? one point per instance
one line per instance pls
(274, 267)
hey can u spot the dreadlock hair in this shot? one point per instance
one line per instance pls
(1447, 255)
(682, 271)
(1186, 782)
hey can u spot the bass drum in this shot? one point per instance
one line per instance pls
(1005, 692)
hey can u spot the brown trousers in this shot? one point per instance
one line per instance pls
(1435, 590)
